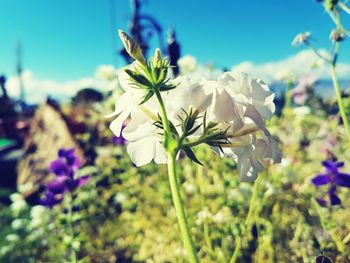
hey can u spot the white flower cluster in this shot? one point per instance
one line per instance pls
(236, 102)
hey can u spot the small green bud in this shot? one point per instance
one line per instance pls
(132, 47)
(157, 58)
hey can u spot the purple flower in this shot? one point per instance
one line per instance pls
(334, 178)
(51, 199)
(300, 92)
(65, 168)
(118, 140)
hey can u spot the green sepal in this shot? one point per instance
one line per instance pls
(140, 79)
(149, 95)
(190, 154)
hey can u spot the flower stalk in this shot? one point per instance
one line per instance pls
(174, 186)
(340, 101)
(248, 221)
(73, 253)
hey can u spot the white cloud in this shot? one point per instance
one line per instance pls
(37, 89)
(298, 64)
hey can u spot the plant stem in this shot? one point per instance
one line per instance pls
(74, 257)
(340, 101)
(237, 250)
(344, 7)
(180, 212)
(174, 187)
(288, 96)
(248, 221)
(200, 183)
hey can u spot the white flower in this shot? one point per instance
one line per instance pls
(38, 216)
(243, 103)
(223, 216)
(120, 198)
(189, 188)
(203, 216)
(107, 72)
(223, 108)
(145, 144)
(189, 94)
(18, 203)
(187, 64)
(301, 39)
(302, 111)
(247, 91)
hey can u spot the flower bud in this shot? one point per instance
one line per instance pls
(132, 47)
(337, 35)
(157, 57)
(301, 39)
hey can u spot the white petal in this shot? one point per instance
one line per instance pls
(141, 151)
(122, 103)
(138, 127)
(117, 124)
(160, 153)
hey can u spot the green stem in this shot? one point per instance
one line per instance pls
(336, 239)
(344, 7)
(163, 114)
(74, 257)
(200, 183)
(340, 101)
(252, 203)
(248, 221)
(174, 187)
(180, 212)
(235, 255)
(288, 96)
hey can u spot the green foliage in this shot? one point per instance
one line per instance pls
(126, 214)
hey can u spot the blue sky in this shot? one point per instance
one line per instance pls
(68, 39)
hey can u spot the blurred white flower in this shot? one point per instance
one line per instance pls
(120, 198)
(203, 216)
(187, 64)
(286, 75)
(302, 111)
(25, 187)
(38, 215)
(18, 203)
(107, 72)
(189, 188)
(222, 216)
(301, 39)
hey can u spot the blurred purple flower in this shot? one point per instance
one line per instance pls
(50, 199)
(332, 177)
(300, 92)
(65, 168)
(118, 140)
